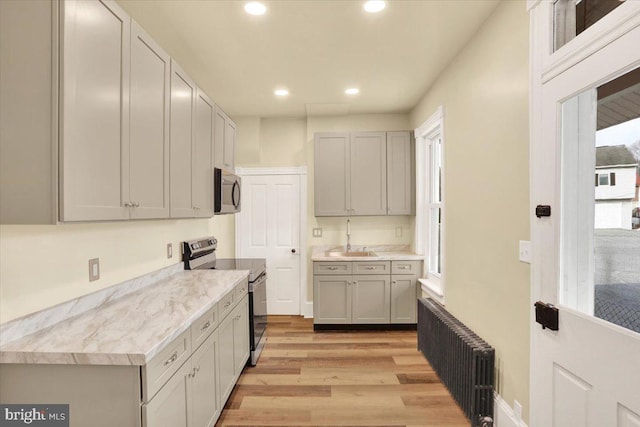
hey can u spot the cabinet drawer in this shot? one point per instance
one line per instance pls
(406, 267)
(332, 267)
(371, 267)
(203, 326)
(225, 305)
(164, 364)
(241, 289)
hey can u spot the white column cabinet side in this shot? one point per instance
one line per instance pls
(400, 174)
(183, 94)
(225, 141)
(332, 174)
(95, 116)
(202, 156)
(149, 127)
(368, 173)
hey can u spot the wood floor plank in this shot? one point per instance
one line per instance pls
(343, 378)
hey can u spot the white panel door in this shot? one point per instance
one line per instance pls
(587, 373)
(269, 227)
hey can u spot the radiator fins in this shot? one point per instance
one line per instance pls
(464, 362)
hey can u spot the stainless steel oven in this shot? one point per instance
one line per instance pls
(200, 254)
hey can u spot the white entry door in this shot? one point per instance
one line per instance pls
(268, 226)
(586, 373)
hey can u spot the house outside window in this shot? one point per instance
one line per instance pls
(430, 204)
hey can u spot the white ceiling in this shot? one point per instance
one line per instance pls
(315, 48)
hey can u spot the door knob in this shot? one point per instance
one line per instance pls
(293, 251)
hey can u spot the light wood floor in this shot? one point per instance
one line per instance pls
(307, 378)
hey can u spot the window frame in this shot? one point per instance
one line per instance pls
(427, 135)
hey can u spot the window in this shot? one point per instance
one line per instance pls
(430, 206)
(603, 179)
(572, 17)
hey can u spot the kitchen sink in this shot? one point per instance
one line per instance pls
(351, 254)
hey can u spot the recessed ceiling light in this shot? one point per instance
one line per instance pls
(255, 8)
(281, 92)
(375, 6)
(352, 91)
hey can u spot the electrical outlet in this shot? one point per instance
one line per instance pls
(169, 250)
(94, 269)
(525, 251)
(317, 232)
(398, 231)
(517, 411)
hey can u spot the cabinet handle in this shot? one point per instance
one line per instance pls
(332, 268)
(355, 282)
(394, 282)
(205, 326)
(136, 204)
(371, 268)
(403, 267)
(172, 359)
(128, 205)
(242, 290)
(227, 304)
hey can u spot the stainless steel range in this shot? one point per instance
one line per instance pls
(200, 254)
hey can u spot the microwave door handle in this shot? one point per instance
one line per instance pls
(233, 194)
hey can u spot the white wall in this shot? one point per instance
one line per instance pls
(613, 214)
(44, 265)
(484, 92)
(625, 187)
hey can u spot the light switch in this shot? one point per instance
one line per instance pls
(94, 269)
(525, 251)
(317, 232)
(169, 250)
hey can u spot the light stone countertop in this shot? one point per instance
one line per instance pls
(383, 253)
(129, 330)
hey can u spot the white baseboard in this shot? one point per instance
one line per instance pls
(307, 309)
(503, 414)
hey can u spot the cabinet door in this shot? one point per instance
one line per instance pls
(229, 145)
(205, 404)
(202, 160)
(332, 177)
(332, 299)
(368, 173)
(170, 407)
(226, 371)
(219, 129)
(183, 93)
(241, 335)
(400, 174)
(404, 299)
(95, 116)
(149, 127)
(371, 299)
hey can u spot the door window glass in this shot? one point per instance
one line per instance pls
(600, 266)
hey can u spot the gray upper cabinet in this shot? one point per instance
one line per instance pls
(225, 140)
(332, 174)
(203, 152)
(94, 111)
(363, 173)
(106, 129)
(368, 173)
(183, 95)
(149, 128)
(400, 174)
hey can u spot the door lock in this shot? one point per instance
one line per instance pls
(547, 315)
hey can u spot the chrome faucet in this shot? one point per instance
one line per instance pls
(348, 235)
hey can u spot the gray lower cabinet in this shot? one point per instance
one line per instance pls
(234, 346)
(185, 385)
(365, 292)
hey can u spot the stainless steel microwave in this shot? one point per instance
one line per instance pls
(226, 192)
